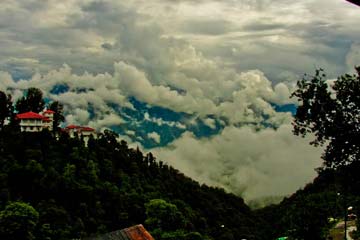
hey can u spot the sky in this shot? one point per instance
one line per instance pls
(203, 84)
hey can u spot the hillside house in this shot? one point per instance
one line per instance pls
(49, 119)
(35, 122)
(84, 132)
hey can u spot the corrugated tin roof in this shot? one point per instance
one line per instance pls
(137, 232)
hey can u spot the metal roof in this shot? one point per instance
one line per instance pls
(137, 232)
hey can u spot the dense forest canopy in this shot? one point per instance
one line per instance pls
(78, 191)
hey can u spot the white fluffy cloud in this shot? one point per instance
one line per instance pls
(108, 120)
(249, 102)
(154, 136)
(135, 83)
(247, 162)
(161, 122)
(78, 116)
(211, 123)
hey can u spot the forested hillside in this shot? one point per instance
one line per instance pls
(311, 212)
(60, 189)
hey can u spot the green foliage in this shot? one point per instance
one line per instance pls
(305, 214)
(32, 101)
(194, 236)
(6, 108)
(164, 216)
(18, 221)
(80, 191)
(331, 112)
(58, 108)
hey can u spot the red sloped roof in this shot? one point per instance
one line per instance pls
(29, 115)
(72, 127)
(80, 128)
(87, 129)
(49, 111)
(137, 232)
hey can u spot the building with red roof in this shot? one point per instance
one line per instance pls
(35, 122)
(81, 131)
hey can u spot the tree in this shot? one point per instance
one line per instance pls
(32, 101)
(109, 138)
(17, 221)
(58, 114)
(331, 111)
(163, 216)
(6, 108)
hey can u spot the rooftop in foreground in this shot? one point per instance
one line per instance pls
(137, 232)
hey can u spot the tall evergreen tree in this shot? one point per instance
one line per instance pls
(57, 107)
(32, 101)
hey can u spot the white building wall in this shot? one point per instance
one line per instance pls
(31, 125)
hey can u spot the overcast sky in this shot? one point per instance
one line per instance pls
(223, 63)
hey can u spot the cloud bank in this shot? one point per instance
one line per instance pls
(250, 163)
(216, 71)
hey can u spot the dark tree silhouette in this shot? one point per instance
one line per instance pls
(58, 115)
(331, 111)
(6, 108)
(32, 101)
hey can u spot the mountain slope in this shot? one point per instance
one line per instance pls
(80, 191)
